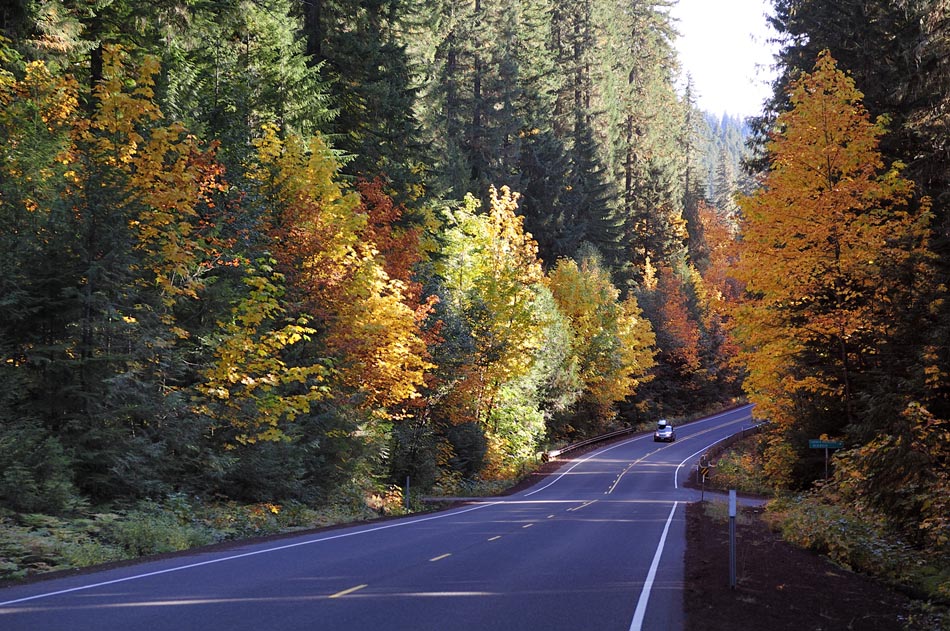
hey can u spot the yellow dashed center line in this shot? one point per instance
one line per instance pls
(346, 592)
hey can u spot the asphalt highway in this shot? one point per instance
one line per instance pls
(598, 545)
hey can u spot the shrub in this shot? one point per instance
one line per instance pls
(860, 541)
(741, 467)
(35, 473)
(153, 531)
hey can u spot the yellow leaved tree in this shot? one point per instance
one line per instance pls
(489, 267)
(613, 343)
(336, 276)
(831, 253)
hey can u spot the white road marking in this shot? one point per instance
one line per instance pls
(637, 623)
(690, 457)
(348, 591)
(399, 524)
(245, 554)
(582, 461)
(624, 443)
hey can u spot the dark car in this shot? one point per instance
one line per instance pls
(664, 431)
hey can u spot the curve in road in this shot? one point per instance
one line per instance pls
(598, 545)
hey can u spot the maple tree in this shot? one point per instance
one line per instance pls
(612, 341)
(680, 330)
(490, 265)
(832, 252)
(248, 388)
(337, 276)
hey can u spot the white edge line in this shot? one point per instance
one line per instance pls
(582, 461)
(343, 535)
(637, 623)
(245, 554)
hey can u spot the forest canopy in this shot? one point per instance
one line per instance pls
(283, 251)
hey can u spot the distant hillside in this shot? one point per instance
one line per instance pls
(722, 150)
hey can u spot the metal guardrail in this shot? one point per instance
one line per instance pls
(715, 450)
(730, 440)
(554, 453)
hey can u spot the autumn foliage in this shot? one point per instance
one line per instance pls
(835, 265)
(273, 323)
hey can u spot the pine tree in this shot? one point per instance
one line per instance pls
(358, 49)
(235, 68)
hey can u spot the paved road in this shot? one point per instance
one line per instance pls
(597, 545)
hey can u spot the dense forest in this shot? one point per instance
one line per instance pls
(844, 324)
(273, 250)
(277, 250)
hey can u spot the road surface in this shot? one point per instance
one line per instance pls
(597, 545)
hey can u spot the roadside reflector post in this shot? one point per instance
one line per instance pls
(703, 471)
(732, 538)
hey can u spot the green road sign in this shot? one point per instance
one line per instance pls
(816, 443)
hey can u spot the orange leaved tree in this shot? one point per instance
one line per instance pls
(831, 253)
(323, 240)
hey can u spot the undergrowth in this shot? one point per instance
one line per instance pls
(861, 542)
(856, 540)
(740, 468)
(33, 543)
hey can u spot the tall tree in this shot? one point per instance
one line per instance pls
(359, 49)
(643, 122)
(832, 257)
(895, 51)
(233, 68)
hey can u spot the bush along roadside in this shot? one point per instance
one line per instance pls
(32, 544)
(740, 467)
(35, 543)
(861, 541)
(854, 537)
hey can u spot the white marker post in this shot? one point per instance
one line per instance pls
(732, 538)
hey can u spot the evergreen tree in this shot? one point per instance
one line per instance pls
(358, 49)
(641, 118)
(234, 68)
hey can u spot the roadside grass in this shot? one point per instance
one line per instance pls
(719, 512)
(33, 544)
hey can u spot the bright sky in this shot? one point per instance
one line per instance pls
(724, 46)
